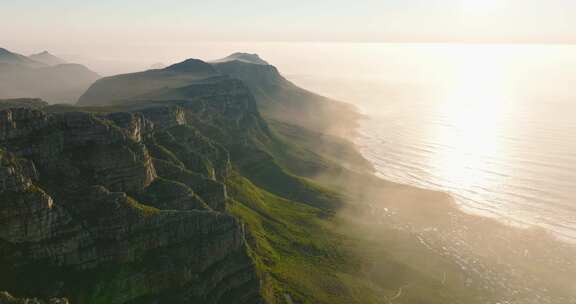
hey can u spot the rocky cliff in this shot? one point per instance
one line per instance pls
(126, 205)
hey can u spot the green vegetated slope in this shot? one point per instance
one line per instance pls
(317, 256)
(312, 252)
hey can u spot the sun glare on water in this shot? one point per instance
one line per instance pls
(473, 106)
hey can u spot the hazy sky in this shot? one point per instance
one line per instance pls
(165, 21)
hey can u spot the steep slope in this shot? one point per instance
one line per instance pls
(47, 58)
(392, 243)
(23, 77)
(118, 207)
(199, 88)
(281, 100)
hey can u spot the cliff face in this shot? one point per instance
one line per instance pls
(125, 206)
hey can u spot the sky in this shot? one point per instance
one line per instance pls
(75, 28)
(165, 21)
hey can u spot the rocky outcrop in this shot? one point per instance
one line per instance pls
(164, 116)
(34, 103)
(25, 212)
(122, 207)
(20, 122)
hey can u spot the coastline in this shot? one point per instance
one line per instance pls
(505, 175)
(500, 258)
(517, 221)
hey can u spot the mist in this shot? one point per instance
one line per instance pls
(295, 152)
(412, 230)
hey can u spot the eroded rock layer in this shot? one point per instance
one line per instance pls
(126, 205)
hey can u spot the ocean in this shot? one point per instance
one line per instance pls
(493, 125)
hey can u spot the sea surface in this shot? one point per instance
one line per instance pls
(494, 125)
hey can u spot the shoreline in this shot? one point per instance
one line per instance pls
(511, 221)
(494, 256)
(427, 229)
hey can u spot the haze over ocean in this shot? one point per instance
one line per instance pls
(491, 124)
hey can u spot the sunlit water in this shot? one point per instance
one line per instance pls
(494, 125)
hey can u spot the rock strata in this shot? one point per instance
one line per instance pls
(119, 207)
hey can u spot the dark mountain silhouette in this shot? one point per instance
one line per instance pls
(121, 88)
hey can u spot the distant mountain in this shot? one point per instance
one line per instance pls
(243, 57)
(47, 58)
(7, 57)
(122, 88)
(21, 76)
(280, 99)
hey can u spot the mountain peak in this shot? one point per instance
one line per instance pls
(191, 65)
(244, 57)
(47, 58)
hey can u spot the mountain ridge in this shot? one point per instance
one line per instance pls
(276, 96)
(8, 57)
(243, 57)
